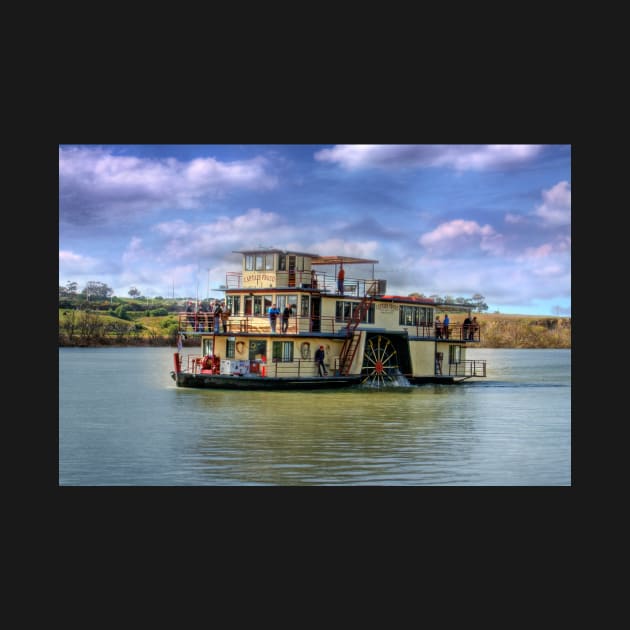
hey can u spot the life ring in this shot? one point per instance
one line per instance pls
(240, 347)
(305, 350)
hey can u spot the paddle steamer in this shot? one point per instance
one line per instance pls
(368, 336)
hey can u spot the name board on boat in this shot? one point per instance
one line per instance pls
(386, 306)
(255, 279)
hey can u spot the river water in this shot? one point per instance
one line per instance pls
(122, 421)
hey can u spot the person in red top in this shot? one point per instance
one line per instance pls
(340, 278)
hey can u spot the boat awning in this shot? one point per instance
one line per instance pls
(337, 260)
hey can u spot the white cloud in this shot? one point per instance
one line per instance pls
(514, 218)
(340, 247)
(458, 157)
(94, 181)
(556, 207)
(543, 251)
(454, 234)
(71, 263)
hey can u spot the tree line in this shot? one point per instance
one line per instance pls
(476, 303)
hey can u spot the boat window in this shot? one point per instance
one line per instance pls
(280, 302)
(282, 262)
(207, 347)
(230, 348)
(268, 303)
(292, 299)
(344, 310)
(282, 351)
(454, 354)
(304, 308)
(258, 300)
(269, 262)
(415, 315)
(249, 263)
(248, 304)
(260, 263)
(234, 304)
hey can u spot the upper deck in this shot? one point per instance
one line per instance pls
(321, 305)
(322, 325)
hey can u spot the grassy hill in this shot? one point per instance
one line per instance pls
(78, 328)
(523, 331)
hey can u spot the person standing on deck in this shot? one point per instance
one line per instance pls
(225, 316)
(445, 324)
(285, 317)
(474, 327)
(274, 311)
(467, 328)
(319, 361)
(438, 327)
(340, 278)
(216, 314)
(190, 315)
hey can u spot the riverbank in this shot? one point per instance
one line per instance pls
(91, 329)
(523, 331)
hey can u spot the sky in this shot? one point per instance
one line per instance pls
(452, 220)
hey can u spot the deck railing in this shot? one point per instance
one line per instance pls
(469, 367)
(456, 332)
(204, 323)
(322, 282)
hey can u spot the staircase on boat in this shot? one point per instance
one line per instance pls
(351, 343)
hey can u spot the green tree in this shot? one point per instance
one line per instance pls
(478, 303)
(133, 292)
(97, 290)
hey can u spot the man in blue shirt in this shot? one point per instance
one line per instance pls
(445, 324)
(274, 311)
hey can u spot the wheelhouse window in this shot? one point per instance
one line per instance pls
(260, 262)
(282, 262)
(282, 351)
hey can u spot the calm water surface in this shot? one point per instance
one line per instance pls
(122, 421)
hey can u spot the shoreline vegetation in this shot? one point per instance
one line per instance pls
(88, 328)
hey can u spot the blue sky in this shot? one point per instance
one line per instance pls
(441, 219)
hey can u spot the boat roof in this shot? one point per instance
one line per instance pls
(407, 298)
(270, 250)
(337, 260)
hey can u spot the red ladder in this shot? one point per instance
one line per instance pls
(351, 343)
